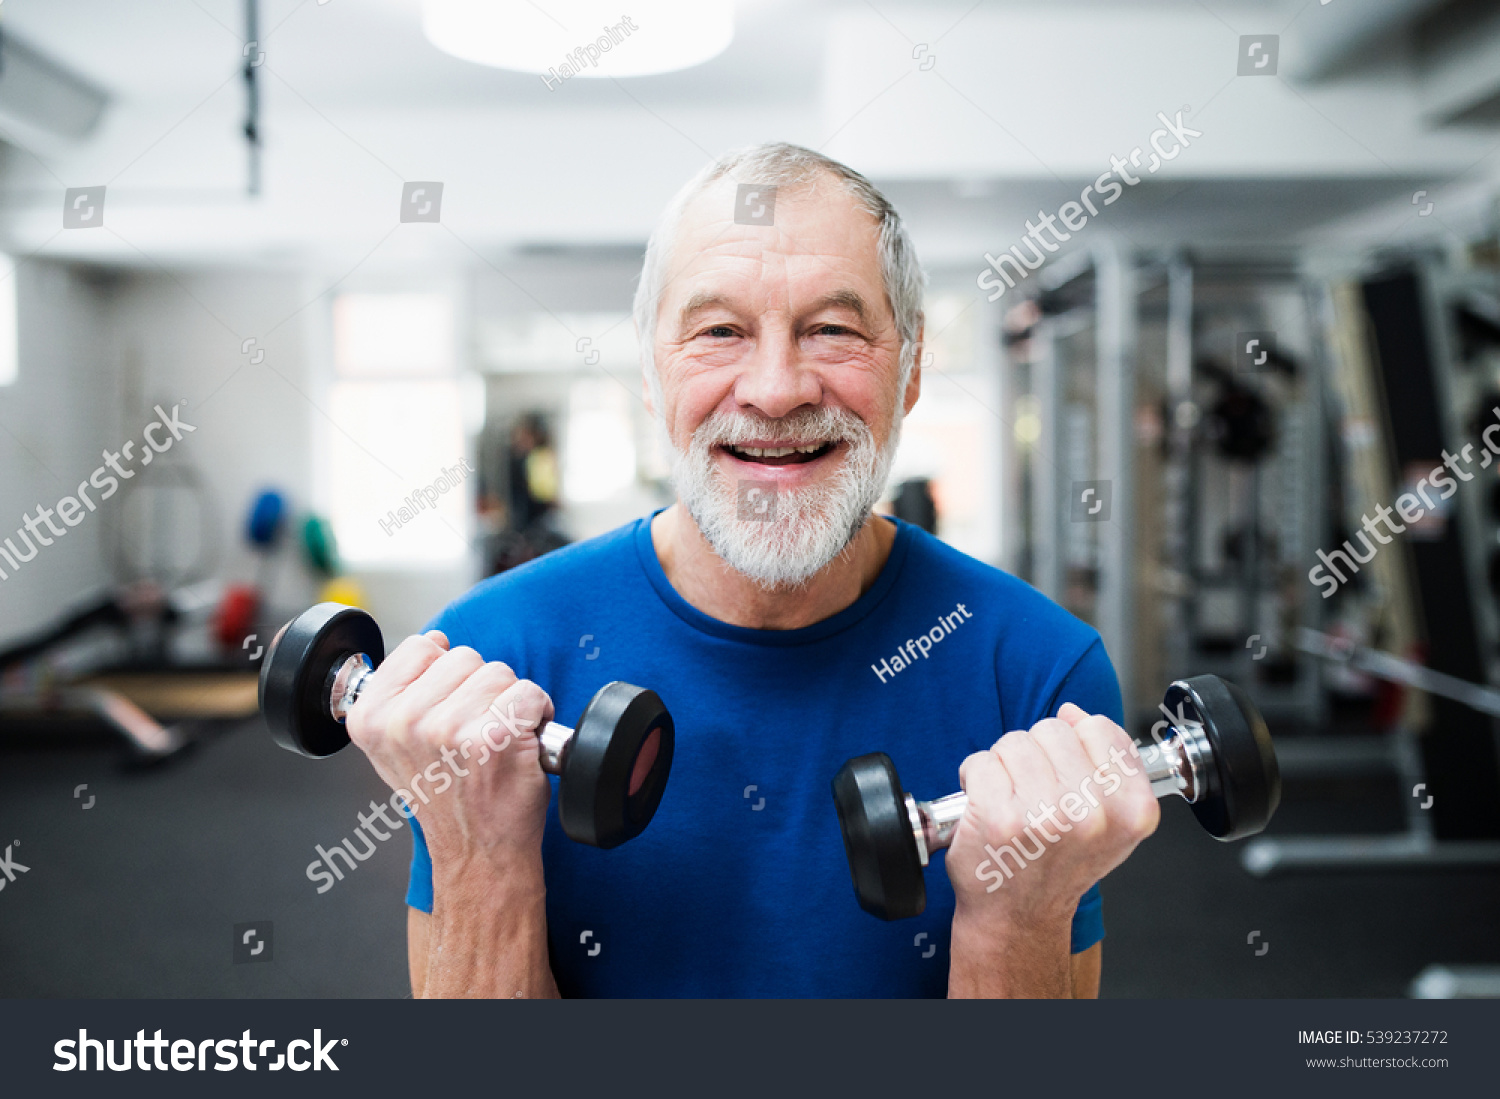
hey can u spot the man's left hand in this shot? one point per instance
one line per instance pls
(1052, 809)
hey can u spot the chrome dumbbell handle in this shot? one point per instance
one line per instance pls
(1177, 765)
(347, 681)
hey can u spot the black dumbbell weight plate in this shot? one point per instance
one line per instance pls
(878, 840)
(595, 803)
(296, 673)
(1244, 782)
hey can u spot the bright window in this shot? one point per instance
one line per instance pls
(400, 482)
(599, 444)
(393, 335)
(9, 355)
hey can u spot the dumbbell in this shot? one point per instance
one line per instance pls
(612, 768)
(1217, 755)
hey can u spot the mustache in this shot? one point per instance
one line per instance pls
(812, 425)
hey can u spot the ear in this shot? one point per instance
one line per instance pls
(646, 365)
(646, 391)
(914, 386)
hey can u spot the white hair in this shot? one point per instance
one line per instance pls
(779, 164)
(782, 539)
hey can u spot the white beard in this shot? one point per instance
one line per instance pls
(803, 530)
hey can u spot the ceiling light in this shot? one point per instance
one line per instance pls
(584, 38)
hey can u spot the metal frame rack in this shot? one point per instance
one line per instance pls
(1110, 332)
(1454, 757)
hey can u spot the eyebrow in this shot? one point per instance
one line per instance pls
(698, 303)
(843, 299)
(838, 299)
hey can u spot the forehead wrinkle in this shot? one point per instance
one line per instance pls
(785, 251)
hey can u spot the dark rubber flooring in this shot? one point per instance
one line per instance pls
(139, 895)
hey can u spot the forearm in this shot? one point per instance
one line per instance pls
(487, 937)
(1011, 961)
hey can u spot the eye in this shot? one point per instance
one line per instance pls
(832, 330)
(719, 332)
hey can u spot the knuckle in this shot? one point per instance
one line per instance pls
(530, 695)
(965, 769)
(1017, 740)
(522, 698)
(462, 657)
(1051, 728)
(1135, 815)
(495, 674)
(1146, 818)
(360, 728)
(1092, 827)
(1102, 729)
(419, 646)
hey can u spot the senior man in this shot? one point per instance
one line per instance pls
(787, 627)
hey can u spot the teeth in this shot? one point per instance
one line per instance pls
(776, 451)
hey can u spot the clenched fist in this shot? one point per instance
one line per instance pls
(1051, 810)
(457, 738)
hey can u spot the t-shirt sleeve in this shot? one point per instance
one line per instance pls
(1090, 684)
(419, 885)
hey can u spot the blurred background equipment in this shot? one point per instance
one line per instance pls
(240, 608)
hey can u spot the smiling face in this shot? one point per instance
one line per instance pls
(779, 366)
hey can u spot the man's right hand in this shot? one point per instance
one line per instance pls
(458, 737)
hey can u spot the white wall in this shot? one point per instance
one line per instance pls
(54, 422)
(253, 420)
(260, 424)
(96, 357)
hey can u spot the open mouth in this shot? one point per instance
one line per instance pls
(788, 455)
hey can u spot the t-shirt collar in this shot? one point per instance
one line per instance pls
(867, 602)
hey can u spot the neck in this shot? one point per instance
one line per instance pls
(702, 578)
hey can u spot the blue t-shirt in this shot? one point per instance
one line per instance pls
(739, 886)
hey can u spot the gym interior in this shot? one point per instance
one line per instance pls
(330, 302)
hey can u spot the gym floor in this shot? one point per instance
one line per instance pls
(138, 895)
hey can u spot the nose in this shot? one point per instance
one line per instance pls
(775, 380)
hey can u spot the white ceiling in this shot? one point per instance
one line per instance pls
(1025, 100)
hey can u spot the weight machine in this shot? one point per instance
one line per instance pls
(1165, 490)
